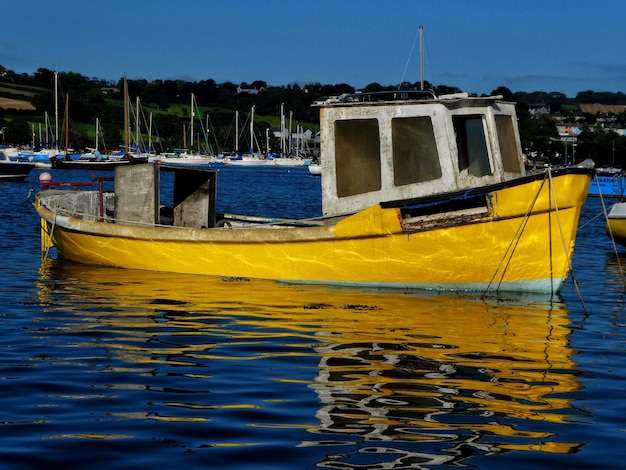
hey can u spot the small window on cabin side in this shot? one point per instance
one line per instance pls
(472, 145)
(415, 157)
(506, 140)
(357, 156)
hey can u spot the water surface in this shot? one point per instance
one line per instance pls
(107, 368)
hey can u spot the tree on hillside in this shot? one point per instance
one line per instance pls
(373, 87)
(44, 78)
(336, 90)
(18, 132)
(505, 93)
(605, 97)
(445, 90)
(538, 135)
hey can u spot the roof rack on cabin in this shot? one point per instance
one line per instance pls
(392, 95)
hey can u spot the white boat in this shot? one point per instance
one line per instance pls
(251, 157)
(288, 161)
(10, 152)
(183, 159)
(247, 159)
(13, 170)
(315, 169)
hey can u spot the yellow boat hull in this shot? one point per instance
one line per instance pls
(616, 223)
(525, 243)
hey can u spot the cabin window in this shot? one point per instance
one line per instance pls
(472, 145)
(357, 156)
(415, 157)
(506, 140)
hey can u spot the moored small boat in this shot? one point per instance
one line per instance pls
(418, 192)
(616, 223)
(13, 170)
(183, 159)
(608, 183)
(315, 169)
(101, 162)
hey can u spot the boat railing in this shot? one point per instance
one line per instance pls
(46, 185)
(374, 96)
(393, 95)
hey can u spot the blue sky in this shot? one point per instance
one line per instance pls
(476, 45)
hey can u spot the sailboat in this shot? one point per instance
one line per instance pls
(293, 155)
(187, 157)
(250, 158)
(95, 160)
(43, 157)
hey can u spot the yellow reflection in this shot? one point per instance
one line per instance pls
(392, 366)
(90, 436)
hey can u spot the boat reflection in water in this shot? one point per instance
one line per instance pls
(399, 379)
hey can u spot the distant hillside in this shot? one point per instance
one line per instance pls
(17, 96)
(12, 103)
(603, 108)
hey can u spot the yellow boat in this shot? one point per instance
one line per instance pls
(616, 223)
(418, 192)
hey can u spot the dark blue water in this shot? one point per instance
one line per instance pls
(105, 368)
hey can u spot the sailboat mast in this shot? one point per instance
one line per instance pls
(421, 57)
(236, 131)
(137, 125)
(282, 129)
(126, 117)
(46, 123)
(56, 110)
(150, 134)
(67, 124)
(252, 130)
(191, 124)
(290, 133)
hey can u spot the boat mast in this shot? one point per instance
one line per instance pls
(56, 111)
(126, 117)
(282, 129)
(252, 130)
(421, 57)
(150, 134)
(236, 131)
(191, 125)
(67, 124)
(137, 122)
(46, 124)
(290, 133)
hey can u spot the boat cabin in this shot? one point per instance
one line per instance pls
(392, 146)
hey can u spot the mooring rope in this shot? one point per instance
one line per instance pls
(608, 226)
(510, 251)
(508, 255)
(567, 256)
(49, 241)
